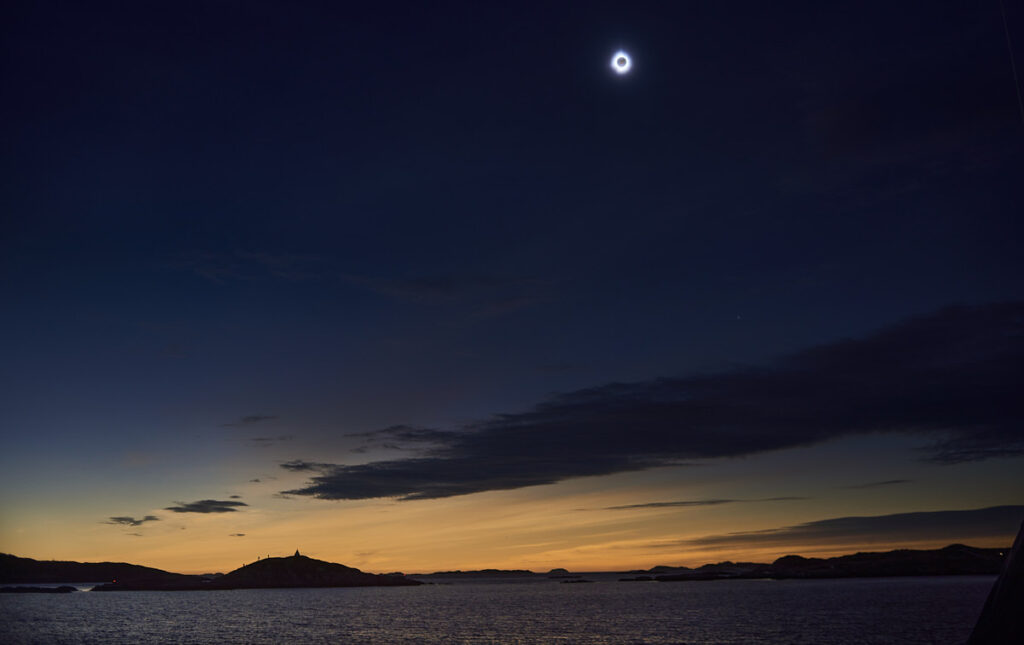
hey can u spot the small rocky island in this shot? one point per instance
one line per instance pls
(61, 589)
(269, 573)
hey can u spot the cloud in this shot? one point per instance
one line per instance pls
(249, 420)
(235, 497)
(401, 437)
(887, 482)
(299, 466)
(972, 447)
(699, 502)
(255, 480)
(237, 535)
(125, 520)
(939, 526)
(206, 506)
(952, 377)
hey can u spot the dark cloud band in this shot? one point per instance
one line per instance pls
(953, 376)
(125, 520)
(206, 506)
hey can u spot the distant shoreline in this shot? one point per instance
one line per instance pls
(955, 559)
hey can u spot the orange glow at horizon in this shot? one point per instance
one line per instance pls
(536, 529)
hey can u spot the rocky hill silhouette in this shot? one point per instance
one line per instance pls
(300, 571)
(271, 573)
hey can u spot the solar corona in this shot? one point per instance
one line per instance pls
(621, 62)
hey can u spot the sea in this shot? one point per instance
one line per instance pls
(837, 612)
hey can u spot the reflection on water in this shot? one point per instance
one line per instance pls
(885, 610)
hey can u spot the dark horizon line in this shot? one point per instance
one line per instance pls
(529, 571)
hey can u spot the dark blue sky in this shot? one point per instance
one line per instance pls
(352, 217)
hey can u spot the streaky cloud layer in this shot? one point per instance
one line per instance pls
(883, 529)
(698, 502)
(879, 484)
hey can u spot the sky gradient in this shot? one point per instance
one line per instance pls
(424, 288)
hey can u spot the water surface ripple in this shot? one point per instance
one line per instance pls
(853, 611)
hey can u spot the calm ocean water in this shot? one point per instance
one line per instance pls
(862, 611)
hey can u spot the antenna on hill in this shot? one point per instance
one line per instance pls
(296, 553)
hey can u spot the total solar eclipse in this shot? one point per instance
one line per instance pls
(621, 62)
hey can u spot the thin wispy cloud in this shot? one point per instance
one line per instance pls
(887, 482)
(699, 502)
(299, 466)
(266, 442)
(952, 378)
(402, 437)
(250, 420)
